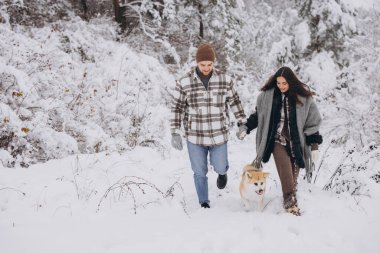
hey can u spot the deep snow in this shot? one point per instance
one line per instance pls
(59, 211)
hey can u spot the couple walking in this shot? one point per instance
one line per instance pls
(286, 118)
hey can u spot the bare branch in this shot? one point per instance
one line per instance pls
(13, 189)
(127, 184)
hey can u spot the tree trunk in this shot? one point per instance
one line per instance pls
(85, 8)
(201, 27)
(120, 15)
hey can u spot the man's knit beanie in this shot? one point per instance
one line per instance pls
(205, 52)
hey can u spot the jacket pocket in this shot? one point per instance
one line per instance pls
(194, 117)
(219, 98)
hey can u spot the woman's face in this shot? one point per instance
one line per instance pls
(282, 84)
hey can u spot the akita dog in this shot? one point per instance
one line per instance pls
(252, 187)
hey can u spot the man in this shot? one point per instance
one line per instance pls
(200, 103)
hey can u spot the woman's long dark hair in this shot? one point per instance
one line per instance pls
(296, 87)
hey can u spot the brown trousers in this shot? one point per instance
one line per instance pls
(287, 170)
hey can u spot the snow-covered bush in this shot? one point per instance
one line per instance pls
(354, 170)
(76, 89)
(35, 13)
(39, 13)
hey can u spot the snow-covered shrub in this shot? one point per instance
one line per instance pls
(38, 13)
(35, 13)
(352, 174)
(48, 144)
(14, 147)
(76, 89)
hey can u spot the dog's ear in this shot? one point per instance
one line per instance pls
(266, 174)
(248, 174)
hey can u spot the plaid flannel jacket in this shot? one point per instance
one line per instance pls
(204, 113)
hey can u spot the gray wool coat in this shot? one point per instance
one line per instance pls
(308, 122)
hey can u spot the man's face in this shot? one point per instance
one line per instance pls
(205, 67)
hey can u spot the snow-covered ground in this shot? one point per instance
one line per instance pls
(60, 206)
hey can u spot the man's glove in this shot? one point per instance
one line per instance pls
(314, 155)
(177, 141)
(241, 132)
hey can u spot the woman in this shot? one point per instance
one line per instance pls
(287, 121)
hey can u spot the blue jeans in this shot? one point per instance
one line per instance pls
(198, 158)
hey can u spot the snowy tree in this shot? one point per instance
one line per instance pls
(331, 23)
